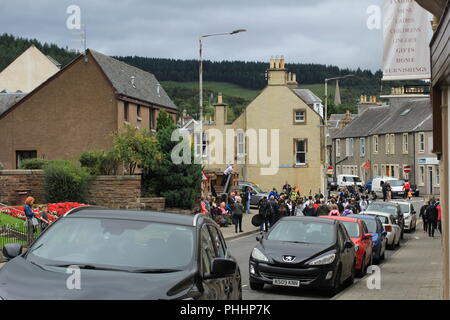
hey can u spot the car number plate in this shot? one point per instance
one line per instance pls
(286, 283)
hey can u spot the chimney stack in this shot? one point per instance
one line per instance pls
(220, 111)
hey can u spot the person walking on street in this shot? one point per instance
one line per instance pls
(432, 216)
(364, 203)
(238, 211)
(406, 188)
(265, 215)
(247, 199)
(423, 215)
(334, 211)
(273, 209)
(384, 190)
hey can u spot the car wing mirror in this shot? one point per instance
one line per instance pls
(222, 268)
(367, 236)
(348, 244)
(12, 250)
(384, 233)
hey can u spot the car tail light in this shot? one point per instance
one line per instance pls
(388, 228)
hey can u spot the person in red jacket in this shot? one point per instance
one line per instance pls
(406, 188)
(203, 209)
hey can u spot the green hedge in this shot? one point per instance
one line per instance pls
(65, 181)
(34, 164)
(100, 162)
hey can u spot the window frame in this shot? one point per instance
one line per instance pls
(392, 144)
(421, 137)
(297, 165)
(362, 147)
(126, 111)
(422, 175)
(375, 144)
(405, 143)
(19, 161)
(387, 143)
(299, 122)
(338, 147)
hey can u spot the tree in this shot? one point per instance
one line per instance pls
(179, 184)
(136, 148)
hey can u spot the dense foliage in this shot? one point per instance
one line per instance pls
(179, 184)
(11, 47)
(100, 162)
(64, 181)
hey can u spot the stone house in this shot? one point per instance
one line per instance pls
(294, 136)
(386, 140)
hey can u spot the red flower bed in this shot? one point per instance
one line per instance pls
(54, 210)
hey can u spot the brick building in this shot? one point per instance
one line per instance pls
(78, 108)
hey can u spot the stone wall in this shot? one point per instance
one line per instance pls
(16, 185)
(115, 192)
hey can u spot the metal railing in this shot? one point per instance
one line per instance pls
(22, 233)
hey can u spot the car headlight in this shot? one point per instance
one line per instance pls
(258, 255)
(329, 258)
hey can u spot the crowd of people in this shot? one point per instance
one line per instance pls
(289, 202)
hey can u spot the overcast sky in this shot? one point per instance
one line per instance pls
(304, 31)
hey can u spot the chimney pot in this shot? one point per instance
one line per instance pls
(294, 77)
(219, 98)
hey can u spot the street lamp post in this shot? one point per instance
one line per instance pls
(201, 65)
(326, 125)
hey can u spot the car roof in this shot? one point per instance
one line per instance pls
(378, 213)
(347, 218)
(387, 204)
(362, 216)
(309, 219)
(150, 216)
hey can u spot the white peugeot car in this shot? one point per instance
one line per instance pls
(409, 215)
(392, 228)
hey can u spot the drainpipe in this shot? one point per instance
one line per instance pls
(414, 160)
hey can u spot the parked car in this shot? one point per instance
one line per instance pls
(124, 255)
(392, 228)
(391, 208)
(396, 186)
(409, 215)
(303, 252)
(332, 183)
(379, 240)
(362, 239)
(345, 180)
(257, 193)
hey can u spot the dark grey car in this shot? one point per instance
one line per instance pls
(117, 254)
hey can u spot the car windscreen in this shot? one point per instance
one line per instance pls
(352, 228)
(396, 183)
(257, 189)
(404, 207)
(374, 206)
(303, 231)
(352, 179)
(383, 219)
(118, 243)
(371, 225)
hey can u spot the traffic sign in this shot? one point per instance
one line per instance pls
(407, 169)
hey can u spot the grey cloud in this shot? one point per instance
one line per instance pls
(324, 31)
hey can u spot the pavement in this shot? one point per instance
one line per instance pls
(412, 273)
(229, 232)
